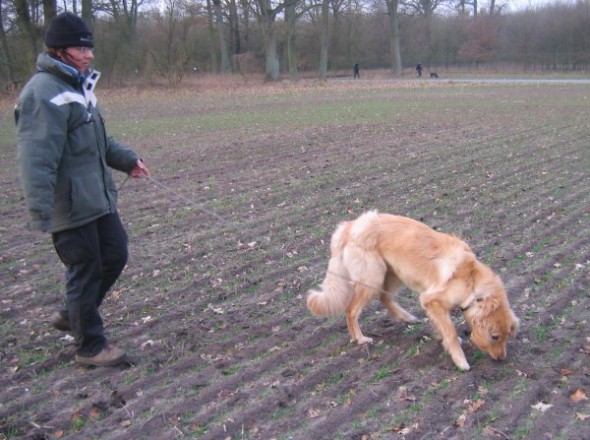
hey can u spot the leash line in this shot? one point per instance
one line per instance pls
(358, 282)
(199, 206)
(399, 299)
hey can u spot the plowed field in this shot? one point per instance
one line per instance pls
(248, 186)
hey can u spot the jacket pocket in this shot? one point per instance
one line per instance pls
(89, 198)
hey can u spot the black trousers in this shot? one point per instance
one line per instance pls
(94, 255)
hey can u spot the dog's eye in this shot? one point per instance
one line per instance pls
(495, 337)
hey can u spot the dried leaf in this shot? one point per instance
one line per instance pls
(461, 420)
(313, 413)
(94, 413)
(566, 372)
(582, 417)
(474, 406)
(494, 432)
(541, 406)
(403, 394)
(578, 395)
(146, 344)
(482, 390)
(403, 429)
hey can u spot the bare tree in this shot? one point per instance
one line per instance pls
(222, 37)
(50, 9)
(87, 13)
(5, 51)
(394, 39)
(291, 19)
(482, 43)
(213, 60)
(235, 43)
(324, 40)
(28, 28)
(267, 12)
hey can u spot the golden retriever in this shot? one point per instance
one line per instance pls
(372, 256)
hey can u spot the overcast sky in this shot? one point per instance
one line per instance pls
(516, 5)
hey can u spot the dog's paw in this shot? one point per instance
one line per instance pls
(461, 363)
(364, 340)
(459, 359)
(464, 367)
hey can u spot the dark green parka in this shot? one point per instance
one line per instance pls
(64, 152)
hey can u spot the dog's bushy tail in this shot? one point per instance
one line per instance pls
(336, 290)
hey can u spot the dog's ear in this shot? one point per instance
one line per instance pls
(486, 304)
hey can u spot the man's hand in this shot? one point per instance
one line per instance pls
(139, 170)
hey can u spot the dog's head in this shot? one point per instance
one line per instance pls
(492, 322)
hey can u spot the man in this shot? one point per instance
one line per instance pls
(65, 156)
(419, 70)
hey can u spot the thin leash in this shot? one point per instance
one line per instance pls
(233, 225)
(353, 282)
(377, 289)
(199, 206)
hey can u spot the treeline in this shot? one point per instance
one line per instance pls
(173, 38)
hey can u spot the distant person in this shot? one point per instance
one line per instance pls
(419, 70)
(357, 71)
(65, 156)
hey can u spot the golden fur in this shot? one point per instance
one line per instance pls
(372, 256)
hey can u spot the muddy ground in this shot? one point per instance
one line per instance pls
(212, 311)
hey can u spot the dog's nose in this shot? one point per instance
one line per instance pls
(467, 333)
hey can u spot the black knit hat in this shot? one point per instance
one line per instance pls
(68, 30)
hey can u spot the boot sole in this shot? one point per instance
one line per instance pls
(83, 362)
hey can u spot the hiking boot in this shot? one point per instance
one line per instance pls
(107, 357)
(60, 321)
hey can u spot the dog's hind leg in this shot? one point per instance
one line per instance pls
(391, 286)
(441, 320)
(361, 297)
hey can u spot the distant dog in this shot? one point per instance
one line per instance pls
(434, 75)
(372, 257)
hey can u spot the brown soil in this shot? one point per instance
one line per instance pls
(212, 313)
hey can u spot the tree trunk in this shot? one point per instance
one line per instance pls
(324, 37)
(87, 13)
(49, 10)
(221, 34)
(266, 20)
(213, 62)
(5, 54)
(245, 24)
(272, 67)
(396, 58)
(234, 26)
(290, 18)
(24, 19)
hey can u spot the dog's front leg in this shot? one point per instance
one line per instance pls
(441, 320)
(360, 298)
